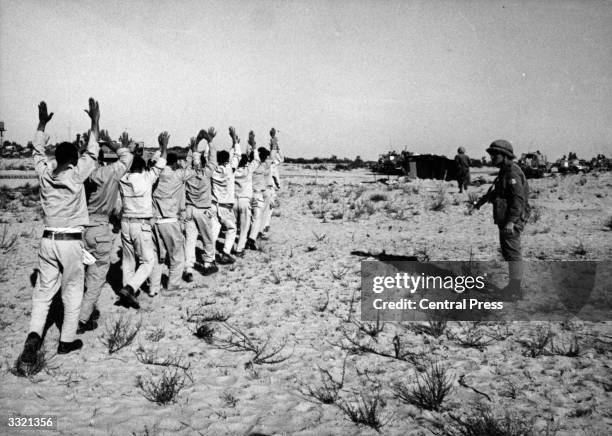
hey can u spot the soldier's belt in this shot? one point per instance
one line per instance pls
(136, 220)
(59, 236)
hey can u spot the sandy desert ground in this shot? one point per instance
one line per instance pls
(302, 290)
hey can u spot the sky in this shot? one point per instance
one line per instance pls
(333, 77)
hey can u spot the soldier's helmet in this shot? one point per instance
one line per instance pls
(503, 147)
(461, 150)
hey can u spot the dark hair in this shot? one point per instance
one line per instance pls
(263, 153)
(244, 159)
(138, 165)
(223, 157)
(171, 159)
(66, 152)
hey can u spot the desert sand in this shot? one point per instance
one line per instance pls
(302, 290)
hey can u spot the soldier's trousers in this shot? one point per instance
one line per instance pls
(511, 252)
(99, 242)
(168, 242)
(199, 220)
(223, 215)
(137, 242)
(257, 214)
(269, 196)
(60, 264)
(242, 212)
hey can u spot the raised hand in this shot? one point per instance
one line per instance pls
(273, 132)
(163, 139)
(251, 141)
(211, 134)
(202, 134)
(94, 115)
(193, 144)
(43, 116)
(125, 139)
(232, 133)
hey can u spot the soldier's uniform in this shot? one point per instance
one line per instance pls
(198, 200)
(102, 188)
(242, 207)
(510, 198)
(60, 257)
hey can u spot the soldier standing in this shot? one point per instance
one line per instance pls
(60, 257)
(463, 169)
(509, 196)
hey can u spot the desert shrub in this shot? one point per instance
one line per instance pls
(430, 390)
(535, 214)
(535, 344)
(378, 197)
(480, 421)
(156, 334)
(439, 202)
(579, 249)
(205, 332)
(120, 333)
(365, 410)
(41, 363)
(433, 328)
(327, 392)
(165, 389)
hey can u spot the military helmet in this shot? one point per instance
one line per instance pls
(461, 150)
(501, 146)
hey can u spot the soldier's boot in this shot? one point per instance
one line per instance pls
(513, 290)
(30, 348)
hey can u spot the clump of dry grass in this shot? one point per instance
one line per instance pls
(41, 363)
(378, 197)
(328, 391)
(480, 421)
(120, 333)
(263, 351)
(430, 390)
(366, 409)
(165, 389)
(439, 202)
(433, 328)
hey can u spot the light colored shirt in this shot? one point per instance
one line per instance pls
(136, 191)
(198, 190)
(223, 178)
(102, 187)
(62, 194)
(168, 193)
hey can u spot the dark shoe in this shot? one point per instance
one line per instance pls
(512, 292)
(30, 348)
(86, 326)
(211, 269)
(266, 229)
(95, 315)
(251, 244)
(127, 294)
(188, 276)
(226, 259)
(239, 253)
(68, 347)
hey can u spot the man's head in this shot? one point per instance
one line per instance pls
(171, 159)
(223, 157)
(244, 159)
(138, 165)
(263, 153)
(461, 150)
(66, 153)
(500, 151)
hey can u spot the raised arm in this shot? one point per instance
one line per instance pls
(40, 139)
(235, 151)
(154, 172)
(211, 161)
(89, 158)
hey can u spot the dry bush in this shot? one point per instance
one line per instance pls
(165, 389)
(340, 273)
(439, 202)
(327, 392)
(568, 348)
(42, 363)
(150, 356)
(156, 335)
(433, 328)
(472, 337)
(205, 314)
(535, 214)
(579, 249)
(536, 344)
(205, 332)
(430, 390)
(8, 241)
(480, 421)
(120, 333)
(366, 409)
(378, 197)
(263, 352)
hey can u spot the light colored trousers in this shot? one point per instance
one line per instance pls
(242, 212)
(223, 215)
(257, 209)
(168, 242)
(269, 196)
(99, 242)
(137, 241)
(60, 264)
(198, 221)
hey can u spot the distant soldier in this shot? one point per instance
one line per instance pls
(102, 189)
(198, 200)
(261, 169)
(509, 195)
(60, 257)
(136, 232)
(463, 169)
(272, 181)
